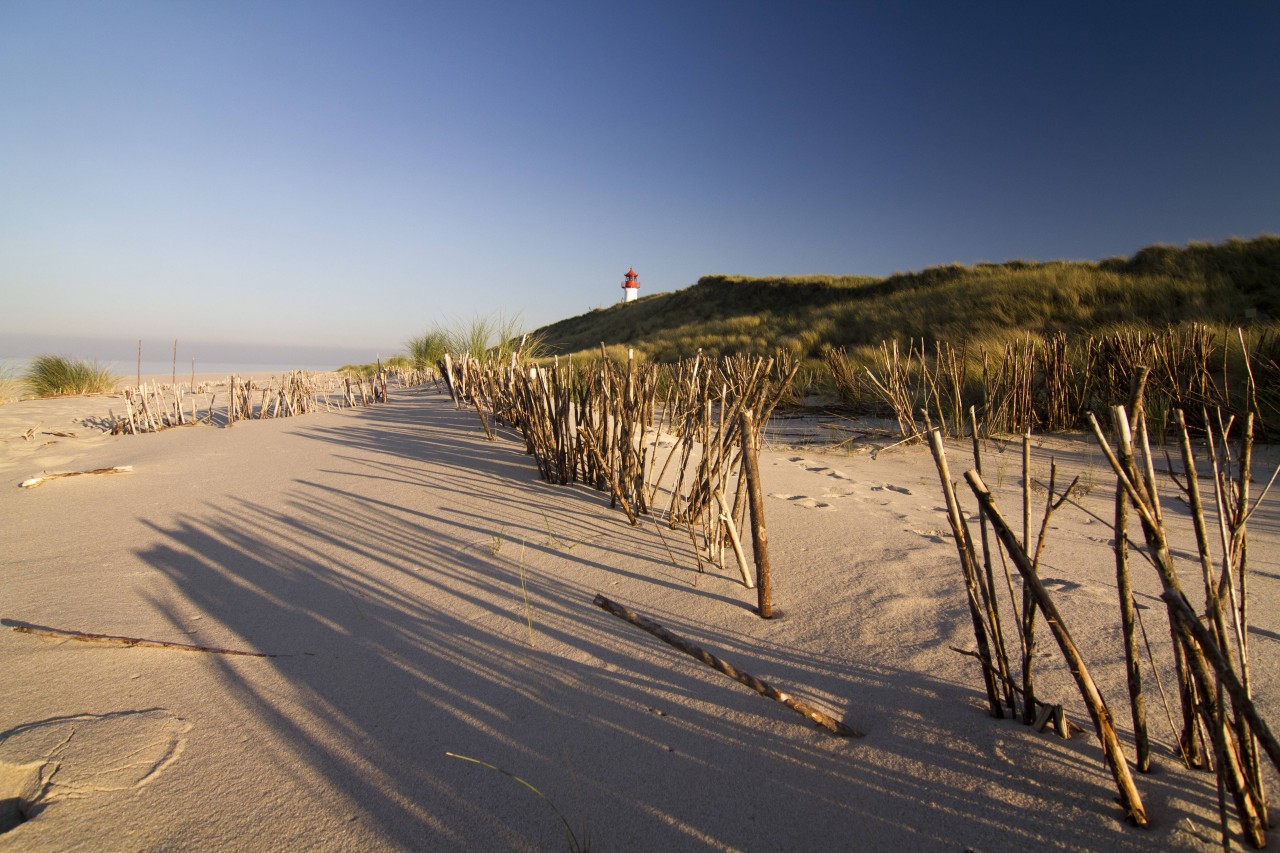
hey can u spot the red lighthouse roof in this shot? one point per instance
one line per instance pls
(631, 278)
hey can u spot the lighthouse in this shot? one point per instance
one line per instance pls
(630, 286)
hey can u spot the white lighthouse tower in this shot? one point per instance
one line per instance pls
(630, 286)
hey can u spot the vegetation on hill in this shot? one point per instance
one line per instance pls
(1232, 283)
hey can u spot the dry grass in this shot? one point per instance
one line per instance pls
(1051, 384)
(11, 386)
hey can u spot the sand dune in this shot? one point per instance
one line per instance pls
(422, 592)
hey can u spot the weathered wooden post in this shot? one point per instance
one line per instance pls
(759, 536)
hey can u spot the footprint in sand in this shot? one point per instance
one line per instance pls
(74, 756)
(804, 501)
(938, 537)
(1060, 584)
(819, 468)
(835, 494)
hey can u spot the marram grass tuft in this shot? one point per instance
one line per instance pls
(58, 376)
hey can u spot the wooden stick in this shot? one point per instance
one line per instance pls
(1128, 620)
(1111, 748)
(727, 517)
(759, 536)
(988, 584)
(1064, 730)
(725, 667)
(968, 567)
(1128, 626)
(1127, 477)
(82, 636)
(35, 481)
(613, 479)
(484, 422)
(1028, 600)
(1026, 492)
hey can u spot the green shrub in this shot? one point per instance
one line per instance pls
(58, 376)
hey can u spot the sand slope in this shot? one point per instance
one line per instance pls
(384, 556)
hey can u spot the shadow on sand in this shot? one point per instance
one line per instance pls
(394, 584)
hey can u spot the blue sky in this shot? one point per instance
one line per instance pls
(345, 175)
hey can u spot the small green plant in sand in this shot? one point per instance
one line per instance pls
(58, 376)
(524, 588)
(556, 542)
(552, 539)
(570, 838)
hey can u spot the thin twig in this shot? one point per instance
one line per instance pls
(112, 639)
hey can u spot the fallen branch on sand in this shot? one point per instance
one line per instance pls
(1044, 710)
(58, 633)
(35, 481)
(723, 666)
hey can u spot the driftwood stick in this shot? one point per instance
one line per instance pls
(1124, 586)
(1028, 599)
(759, 535)
(734, 539)
(724, 667)
(82, 636)
(1064, 731)
(613, 479)
(35, 481)
(1111, 748)
(1129, 631)
(989, 582)
(968, 567)
(484, 422)
(1184, 616)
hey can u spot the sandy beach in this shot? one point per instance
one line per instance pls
(418, 591)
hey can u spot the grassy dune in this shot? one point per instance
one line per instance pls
(1232, 283)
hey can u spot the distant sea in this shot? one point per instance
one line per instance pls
(121, 356)
(14, 367)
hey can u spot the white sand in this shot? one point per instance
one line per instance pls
(383, 555)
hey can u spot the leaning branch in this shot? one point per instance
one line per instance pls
(725, 667)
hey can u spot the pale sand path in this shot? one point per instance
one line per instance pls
(380, 553)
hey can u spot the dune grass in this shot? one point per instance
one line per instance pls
(59, 376)
(428, 348)
(1232, 283)
(571, 838)
(494, 336)
(393, 362)
(10, 386)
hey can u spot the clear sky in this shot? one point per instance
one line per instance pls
(346, 174)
